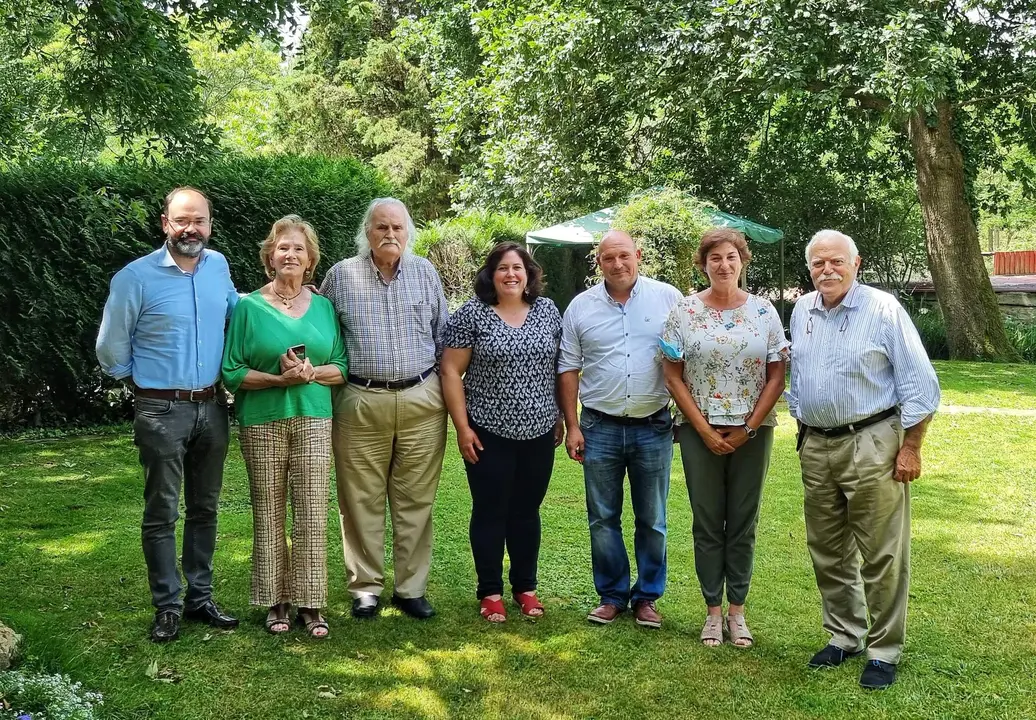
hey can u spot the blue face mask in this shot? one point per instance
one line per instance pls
(671, 351)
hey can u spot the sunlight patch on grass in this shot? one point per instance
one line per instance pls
(71, 546)
(418, 702)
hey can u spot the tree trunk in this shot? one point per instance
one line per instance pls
(974, 323)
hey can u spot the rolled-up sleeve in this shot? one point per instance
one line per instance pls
(121, 312)
(571, 355)
(917, 386)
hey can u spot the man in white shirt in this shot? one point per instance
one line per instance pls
(608, 361)
(863, 392)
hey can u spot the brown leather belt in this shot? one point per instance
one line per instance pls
(195, 396)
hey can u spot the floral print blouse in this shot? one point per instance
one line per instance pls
(725, 353)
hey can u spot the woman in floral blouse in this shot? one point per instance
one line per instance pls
(726, 354)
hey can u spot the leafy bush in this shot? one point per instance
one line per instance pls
(932, 329)
(45, 697)
(65, 230)
(667, 224)
(458, 246)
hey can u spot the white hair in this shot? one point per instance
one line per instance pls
(832, 235)
(363, 245)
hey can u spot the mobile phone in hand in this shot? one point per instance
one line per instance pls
(299, 350)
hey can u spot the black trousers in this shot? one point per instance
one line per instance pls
(508, 484)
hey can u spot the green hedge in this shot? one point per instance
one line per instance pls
(65, 230)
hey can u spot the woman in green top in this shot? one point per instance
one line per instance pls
(283, 351)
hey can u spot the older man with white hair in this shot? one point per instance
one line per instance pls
(389, 427)
(863, 392)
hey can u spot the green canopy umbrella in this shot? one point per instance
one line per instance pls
(587, 229)
(584, 230)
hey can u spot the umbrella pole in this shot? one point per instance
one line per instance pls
(781, 290)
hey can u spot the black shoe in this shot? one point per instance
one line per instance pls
(211, 615)
(366, 606)
(417, 607)
(831, 656)
(166, 626)
(878, 675)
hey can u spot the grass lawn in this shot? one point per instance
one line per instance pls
(72, 581)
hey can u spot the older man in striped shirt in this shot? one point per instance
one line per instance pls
(863, 392)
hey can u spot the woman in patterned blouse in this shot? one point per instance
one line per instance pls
(725, 353)
(505, 344)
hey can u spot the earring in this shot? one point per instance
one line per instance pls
(271, 273)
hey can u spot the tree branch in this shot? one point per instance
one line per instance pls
(867, 100)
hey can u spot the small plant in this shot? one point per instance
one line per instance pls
(28, 696)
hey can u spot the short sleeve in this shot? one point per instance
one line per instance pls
(461, 328)
(776, 342)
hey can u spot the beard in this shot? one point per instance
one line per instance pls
(186, 244)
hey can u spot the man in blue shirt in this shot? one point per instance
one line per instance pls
(162, 331)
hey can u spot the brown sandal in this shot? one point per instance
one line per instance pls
(278, 615)
(314, 622)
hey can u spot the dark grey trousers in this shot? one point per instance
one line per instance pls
(184, 442)
(725, 491)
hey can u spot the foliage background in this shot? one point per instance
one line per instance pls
(66, 229)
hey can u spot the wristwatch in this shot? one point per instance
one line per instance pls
(749, 430)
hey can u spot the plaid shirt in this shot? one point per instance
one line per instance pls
(393, 330)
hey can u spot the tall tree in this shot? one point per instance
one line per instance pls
(929, 69)
(121, 68)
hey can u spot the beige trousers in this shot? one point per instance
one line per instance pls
(281, 456)
(855, 510)
(388, 444)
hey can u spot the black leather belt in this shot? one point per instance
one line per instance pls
(853, 427)
(628, 420)
(195, 396)
(390, 384)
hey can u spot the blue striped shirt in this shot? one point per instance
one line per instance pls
(856, 360)
(163, 326)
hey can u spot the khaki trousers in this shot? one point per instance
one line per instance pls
(291, 454)
(854, 509)
(388, 444)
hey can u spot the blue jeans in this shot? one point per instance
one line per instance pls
(646, 453)
(180, 442)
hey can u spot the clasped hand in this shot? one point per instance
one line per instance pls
(723, 440)
(295, 371)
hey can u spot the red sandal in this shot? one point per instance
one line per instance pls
(528, 602)
(492, 607)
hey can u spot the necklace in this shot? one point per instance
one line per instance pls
(286, 301)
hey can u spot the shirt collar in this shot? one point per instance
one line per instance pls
(377, 273)
(850, 301)
(637, 286)
(165, 259)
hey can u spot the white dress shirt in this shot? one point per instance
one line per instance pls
(856, 360)
(614, 345)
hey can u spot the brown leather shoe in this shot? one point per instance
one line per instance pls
(604, 613)
(646, 615)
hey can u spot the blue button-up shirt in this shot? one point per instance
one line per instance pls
(615, 345)
(856, 360)
(163, 326)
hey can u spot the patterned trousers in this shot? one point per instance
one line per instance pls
(292, 453)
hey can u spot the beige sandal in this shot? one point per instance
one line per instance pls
(737, 628)
(713, 630)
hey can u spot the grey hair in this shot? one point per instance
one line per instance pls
(363, 245)
(833, 235)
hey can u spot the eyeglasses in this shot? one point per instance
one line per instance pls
(841, 328)
(182, 224)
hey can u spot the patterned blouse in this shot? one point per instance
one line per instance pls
(725, 355)
(509, 384)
